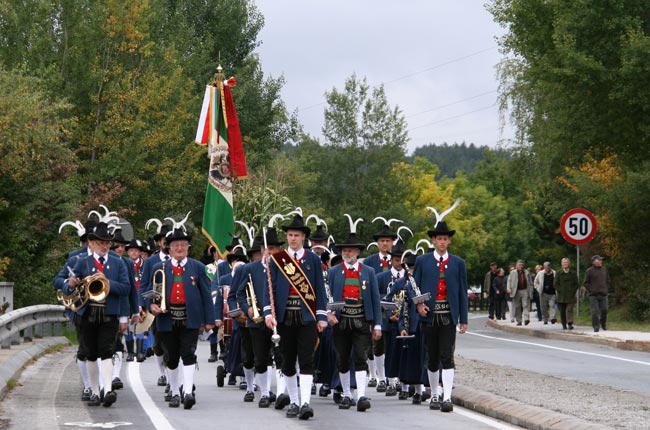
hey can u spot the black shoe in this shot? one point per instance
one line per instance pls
(417, 399)
(282, 401)
(337, 397)
(518, 323)
(545, 322)
(381, 387)
(162, 381)
(447, 406)
(212, 358)
(109, 399)
(293, 411)
(189, 401)
(85, 394)
(434, 404)
(313, 389)
(425, 396)
(570, 326)
(130, 356)
(140, 356)
(305, 412)
(249, 396)
(411, 390)
(403, 395)
(232, 380)
(168, 396)
(595, 330)
(117, 384)
(604, 327)
(264, 402)
(272, 396)
(526, 323)
(243, 385)
(149, 352)
(363, 404)
(345, 403)
(372, 382)
(553, 320)
(175, 401)
(167, 388)
(94, 400)
(564, 327)
(391, 391)
(324, 390)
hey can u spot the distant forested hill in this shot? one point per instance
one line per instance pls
(452, 158)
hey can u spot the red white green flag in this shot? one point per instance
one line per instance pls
(219, 129)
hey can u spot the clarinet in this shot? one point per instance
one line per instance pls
(405, 315)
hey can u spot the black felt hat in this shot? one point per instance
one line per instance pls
(256, 247)
(177, 234)
(319, 235)
(238, 253)
(235, 241)
(398, 249)
(101, 232)
(118, 238)
(272, 237)
(164, 230)
(297, 224)
(350, 242)
(136, 244)
(441, 229)
(385, 233)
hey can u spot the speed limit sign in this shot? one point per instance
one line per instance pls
(578, 226)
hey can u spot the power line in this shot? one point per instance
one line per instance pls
(452, 103)
(437, 66)
(452, 117)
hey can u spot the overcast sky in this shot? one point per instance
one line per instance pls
(436, 59)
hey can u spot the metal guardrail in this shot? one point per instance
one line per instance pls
(32, 322)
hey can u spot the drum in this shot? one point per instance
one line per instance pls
(227, 327)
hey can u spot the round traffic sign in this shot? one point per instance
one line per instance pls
(578, 226)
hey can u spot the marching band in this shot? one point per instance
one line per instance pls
(277, 313)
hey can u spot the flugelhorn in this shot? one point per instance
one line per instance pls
(158, 290)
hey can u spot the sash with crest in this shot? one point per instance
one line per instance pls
(292, 271)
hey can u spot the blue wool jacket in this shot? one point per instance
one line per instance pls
(369, 291)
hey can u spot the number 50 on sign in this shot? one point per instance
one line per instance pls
(578, 226)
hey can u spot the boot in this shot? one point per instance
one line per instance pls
(213, 353)
(140, 356)
(129, 350)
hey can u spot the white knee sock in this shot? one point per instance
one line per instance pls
(83, 370)
(306, 382)
(117, 364)
(174, 385)
(269, 377)
(107, 374)
(381, 368)
(372, 368)
(280, 382)
(361, 376)
(188, 378)
(249, 376)
(93, 376)
(263, 382)
(345, 384)
(292, 388)
(161, 364)
(433, 382)
(447, 383)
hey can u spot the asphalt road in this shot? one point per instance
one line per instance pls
(586, 362)
(48, 398)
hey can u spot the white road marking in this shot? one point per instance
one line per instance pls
(627, 360)
(483, 419)
(157, 418)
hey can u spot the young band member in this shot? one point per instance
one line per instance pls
(190, 311)
(444, 276)
(358, 322)
(300, 302)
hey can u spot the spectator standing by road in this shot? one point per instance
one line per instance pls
(487, 287)
(544, 286)
(597, 285)
(521, 292)
(566, 286)
(499, 292)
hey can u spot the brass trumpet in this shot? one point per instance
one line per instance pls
(251, 298)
